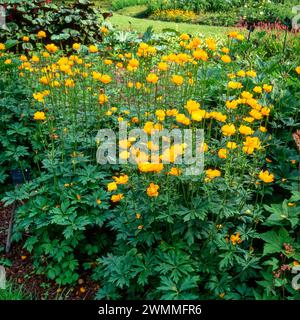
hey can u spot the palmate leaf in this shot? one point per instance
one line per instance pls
(274, 241)
(178, 291)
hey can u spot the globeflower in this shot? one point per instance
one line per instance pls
(234, 85)
(226, 58)
(231, 145)
(41, 34)
(222, 153)
(247, 131)
(298, 69)
(235, 238)
(266, 176)
(152, 190)
(228, 130)
(212, 173)
(268, 88)
(2, 46)
(39, 116)
(112, 186)
(251, 144)
(103, 98)
(150, 167)
(177, 80)
(93, 49)
(117, 197)
(123, 179)
(200, 54)
(76, 46)
(152, 78)
(51, 48)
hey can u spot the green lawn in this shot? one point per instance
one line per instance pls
(129, 23)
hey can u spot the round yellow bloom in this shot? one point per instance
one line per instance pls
(163, 66)
(298, 69)
(177, 80)
(76, 46)
(105, 78)
(222, 153)
(234, 85)
(41, 34)
(200, 54)
(226, 58)
(2, 46)
(103, 98)
(152, 78)
(25, 39)
(39, 116)
(266, 176)
(257, 89)
(231, 145)
(212, 173)
(112, 186)
(152, 190)
(52, 47)
(117, 197)
(93, 49)
(247, 131)
(268, 88)
(228, 130)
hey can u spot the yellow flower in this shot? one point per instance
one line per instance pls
(178, 80)
(200, 54)
(105, 78)
(41, 34)
(133, 64)
(257, 89)
(255, 114)
(181, 118)
(174, 172)
(76, 46)
(98, 201)
(152, 190)
(112, 186)
(150, 167)
(104, 30)
(222, 153)
(251, 73)
(235, 238)
(226, 59)
(211, 44)
(266, 176)
(69, 83)
(234, 85)
(198, 115)
(25, 39)
(163, 66)
(184, 36)
(2, 46)
(123, 179)
(152, 78)
(232, 104)
(231, 145)
(117, 197)
(51, 48)
(212, 173)
(297, 69)
(267, 88)
(251, 144)
(7, 61)
(241, 73)
(192, 106)
(160, 114)
(225, 50)
(93, 49)
(103, 98)
(228, 130)
(39, 116)
(263, 129)
(247, 131)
